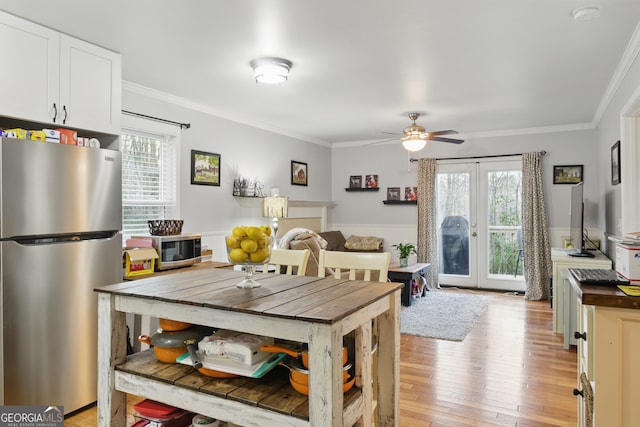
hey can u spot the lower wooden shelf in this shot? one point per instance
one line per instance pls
(269, 398)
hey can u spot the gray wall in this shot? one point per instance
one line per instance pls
(244, 150)
(390, 162)
(608, 134)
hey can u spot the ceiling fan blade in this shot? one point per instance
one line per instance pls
(391, 133)
(451, 140)
(443, 132)
(380, 142)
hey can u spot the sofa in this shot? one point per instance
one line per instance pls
(302, 238)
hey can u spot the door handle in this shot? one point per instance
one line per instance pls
(474, 234)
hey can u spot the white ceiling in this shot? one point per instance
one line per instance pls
(477, 66)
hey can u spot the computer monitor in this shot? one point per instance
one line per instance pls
(576, 214)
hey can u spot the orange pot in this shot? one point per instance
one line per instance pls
(216, 374)
(302, 354)
(164, 354)
(167, 346)
(301, 375)
(304, 388)
(173, 325)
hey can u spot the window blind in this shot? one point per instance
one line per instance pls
(149, 183)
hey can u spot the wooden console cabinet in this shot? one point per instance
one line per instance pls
(311, 310)
(561, 263)
(608, 348)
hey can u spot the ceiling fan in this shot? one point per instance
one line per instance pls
(414, 137)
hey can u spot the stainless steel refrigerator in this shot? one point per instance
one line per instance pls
(60, 222)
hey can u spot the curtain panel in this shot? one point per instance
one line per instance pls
(427, 227)
(535, 231)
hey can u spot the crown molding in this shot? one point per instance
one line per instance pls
(628, 57)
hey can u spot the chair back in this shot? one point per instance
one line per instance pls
(354, 262)
(289, 259)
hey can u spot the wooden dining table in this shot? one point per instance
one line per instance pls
(318, 312)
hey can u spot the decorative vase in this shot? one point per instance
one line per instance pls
(404, 262)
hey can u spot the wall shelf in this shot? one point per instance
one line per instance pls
(400, 202)
(361, 189)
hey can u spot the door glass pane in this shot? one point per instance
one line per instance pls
(504, 209)
(453, 193)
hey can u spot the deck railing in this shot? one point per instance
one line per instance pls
(504, 251)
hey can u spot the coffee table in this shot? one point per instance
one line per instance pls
(406, 275)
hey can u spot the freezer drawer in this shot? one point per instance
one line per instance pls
(49, 319)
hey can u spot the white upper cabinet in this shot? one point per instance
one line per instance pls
(55, 79)
(29, 75)
(90, 86)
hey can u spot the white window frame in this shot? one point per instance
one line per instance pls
(141, 126)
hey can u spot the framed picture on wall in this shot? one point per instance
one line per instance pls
(615, 163)
(411, 194)
(393, 193)
(355, 181)
(567, 174)
(371, 181)
(299, 173)
(205, 168)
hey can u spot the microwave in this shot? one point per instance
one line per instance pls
(176, 251)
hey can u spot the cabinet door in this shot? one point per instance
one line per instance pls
(90, 86)
(29, 74)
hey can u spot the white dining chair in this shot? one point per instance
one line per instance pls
(359, 265)
(290, 259)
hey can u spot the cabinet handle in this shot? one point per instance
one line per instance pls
(578, 335)
(64, 109)
(577, 392)
(55, 112)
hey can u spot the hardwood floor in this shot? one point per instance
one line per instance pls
(511, 370)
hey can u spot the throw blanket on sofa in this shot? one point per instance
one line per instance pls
(300, 239)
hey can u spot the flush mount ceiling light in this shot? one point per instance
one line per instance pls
(587, 13)
(271, 70)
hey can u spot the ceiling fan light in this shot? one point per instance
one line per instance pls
(271, 70)
(413, 144)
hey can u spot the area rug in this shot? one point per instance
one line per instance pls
(441, 314)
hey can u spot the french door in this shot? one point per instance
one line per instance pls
(479, 217)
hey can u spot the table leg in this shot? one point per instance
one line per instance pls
(112, 350)
(406, 292)
(388, 373)
(325, 379)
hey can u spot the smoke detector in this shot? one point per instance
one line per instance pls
(587, 13)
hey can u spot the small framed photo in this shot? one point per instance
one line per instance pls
(205, 168)
(411, 194)
(299, 173)
(615, 163)
(371, 181)
(567, 174)
(393, 193)
(355, 181)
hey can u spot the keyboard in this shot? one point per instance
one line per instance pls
(599, 276)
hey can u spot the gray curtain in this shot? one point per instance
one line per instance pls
(535, 231)
(427, 227)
